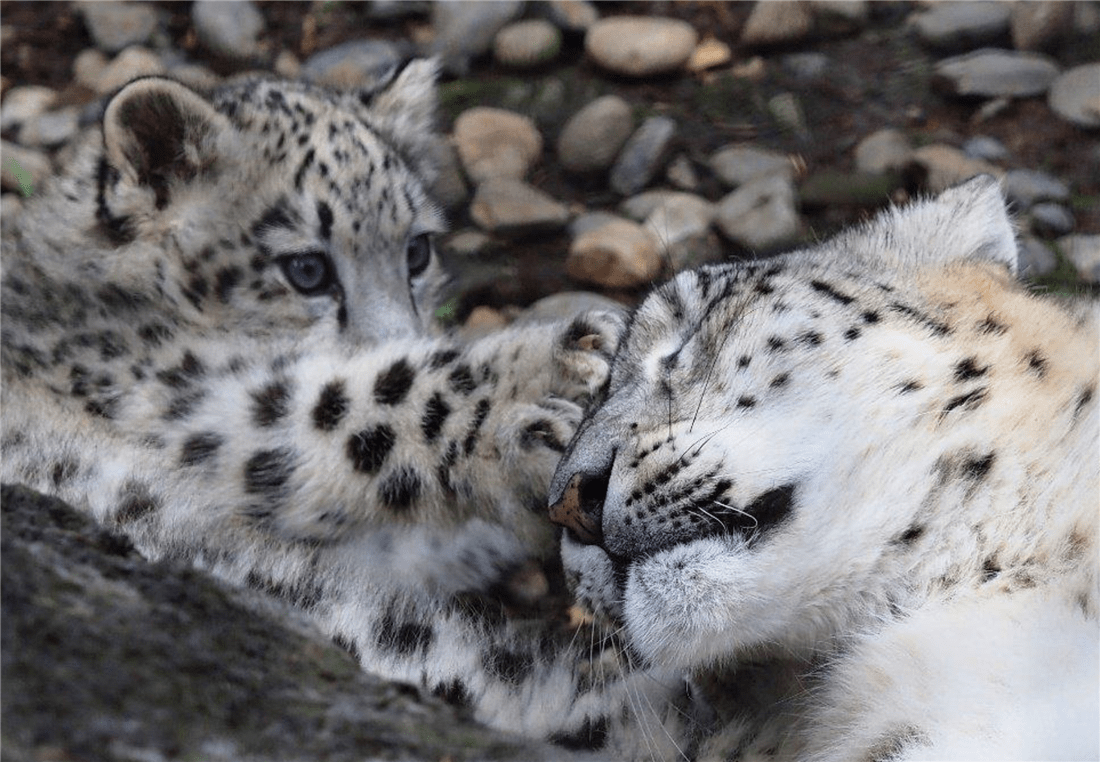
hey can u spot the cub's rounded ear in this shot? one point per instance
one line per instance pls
(402, 106)
(156, 132)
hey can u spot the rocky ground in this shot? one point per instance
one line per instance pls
(593, 149)
(599, 147)
(108, 657)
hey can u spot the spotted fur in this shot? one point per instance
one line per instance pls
(816, 471)
(217, 339)
(877, 457)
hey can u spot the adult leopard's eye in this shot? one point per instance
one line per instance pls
(311, 273)
(419, 254)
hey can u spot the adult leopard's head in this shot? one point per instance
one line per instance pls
(274, 205)
(773, 430)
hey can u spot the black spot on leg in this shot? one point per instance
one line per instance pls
(852, 333)
(435, 415)
(443, 470)
(512, 667)
(270, 403)
(367, 449)
(267, 472)
(347, 645)
(154, 334)
(746, 401)
(183, 405)
(195, 291)
(406, 638)
(182, 375)
(199, 448)
(400, 490)
(480, 414)
(393, 384)
(454, 693)
(461, 380)
(104, 407)
(442, 357)
(590, 736)
(135, 501)
(779, 381)
(63, 470)
(909, 387)
(332, 405)
(304, 593)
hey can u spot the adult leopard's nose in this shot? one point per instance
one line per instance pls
(580, 508)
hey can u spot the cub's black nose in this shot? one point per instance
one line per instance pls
(580, 509)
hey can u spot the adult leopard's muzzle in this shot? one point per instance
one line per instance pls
(580, 507)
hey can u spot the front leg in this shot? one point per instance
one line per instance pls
(324, 444)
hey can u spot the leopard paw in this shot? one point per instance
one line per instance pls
(583, 353)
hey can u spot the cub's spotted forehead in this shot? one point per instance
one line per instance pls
(329, 142)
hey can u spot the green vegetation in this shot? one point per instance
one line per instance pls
(455, 97)
(1063, 279)
(445, 313)
(23, 177)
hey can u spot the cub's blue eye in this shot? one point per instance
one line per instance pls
(310, 273)
(419, 254)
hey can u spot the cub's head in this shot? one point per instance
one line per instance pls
(273, 205)
(771, 430)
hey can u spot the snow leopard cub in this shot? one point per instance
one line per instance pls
(217, 339)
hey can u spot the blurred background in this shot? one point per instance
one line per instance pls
(593, 148)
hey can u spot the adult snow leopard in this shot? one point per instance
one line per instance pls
(877, 456)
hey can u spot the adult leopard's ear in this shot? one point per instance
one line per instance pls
(977, 211)
(968, 222)
(402, 106)
(157, 132)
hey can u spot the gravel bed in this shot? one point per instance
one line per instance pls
(763, 125)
